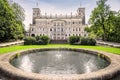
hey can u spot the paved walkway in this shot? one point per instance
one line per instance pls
(112, 44)
(11, 43)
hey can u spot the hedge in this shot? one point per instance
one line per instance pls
(73, 40)
(38, 40)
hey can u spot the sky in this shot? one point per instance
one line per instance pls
(61, 7)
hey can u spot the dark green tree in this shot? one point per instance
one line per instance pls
(6, 21)
(9, 27)
(115, 32)
(19, 17)
(99, 17)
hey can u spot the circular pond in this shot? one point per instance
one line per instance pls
(59, 62)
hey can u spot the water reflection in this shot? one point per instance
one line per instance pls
(26, 64)
(59, 62)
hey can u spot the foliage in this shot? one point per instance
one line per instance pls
(29, 40)
(9, 26)
(88, 41)
(98, 19)
(91, 41)
(45, 40)
(114, 35)
(104, 22)
(38, 40)
(84, 41)
(74, 39)
(81, 40)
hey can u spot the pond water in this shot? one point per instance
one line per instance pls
(59, 62)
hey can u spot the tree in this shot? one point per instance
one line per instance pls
(19, 17)
(115, 32)
(10, 28)
(99, 17)
(6, 21)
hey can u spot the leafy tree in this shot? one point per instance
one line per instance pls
(6, 21)
(99, 17)
(10, 27)
(19, 17)
(115, 32)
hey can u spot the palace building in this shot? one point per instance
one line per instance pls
(58, 27)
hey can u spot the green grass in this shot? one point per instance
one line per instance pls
(100, 48)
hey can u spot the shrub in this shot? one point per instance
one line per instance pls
(91, 41)
(38, 40)
(88, 41)
(74, 39)
(84, 41)
(29, 40)
(45, 40)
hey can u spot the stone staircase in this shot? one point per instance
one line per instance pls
(58, 42)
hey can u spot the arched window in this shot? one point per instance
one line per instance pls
(33, 35)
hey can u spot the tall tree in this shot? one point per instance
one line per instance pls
(99, 17)
(9, 26)
(19, 17)
(6, 21)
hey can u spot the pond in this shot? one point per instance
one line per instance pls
(59, 62)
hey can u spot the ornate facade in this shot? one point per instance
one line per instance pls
(58, 27)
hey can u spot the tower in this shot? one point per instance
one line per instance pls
(81, 14)
(36, 14)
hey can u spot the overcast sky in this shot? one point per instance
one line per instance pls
(61, 7)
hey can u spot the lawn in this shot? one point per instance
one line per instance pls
(24, 47)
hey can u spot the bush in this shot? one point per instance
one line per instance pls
(38, 40)
(88, 41)
(91, 41)
(74, 39)
(84, 41)
(29, 40)
(45, 40)
(81, 41)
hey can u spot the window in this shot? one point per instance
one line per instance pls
(61, 24)
(73, 22)
(76, 29)
(73, 30)
(79, 29)
(61, 29)
(54, 29)
(54, 24)
(51, 29)
(32, 29)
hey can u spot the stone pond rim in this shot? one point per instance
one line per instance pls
(9, 72)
